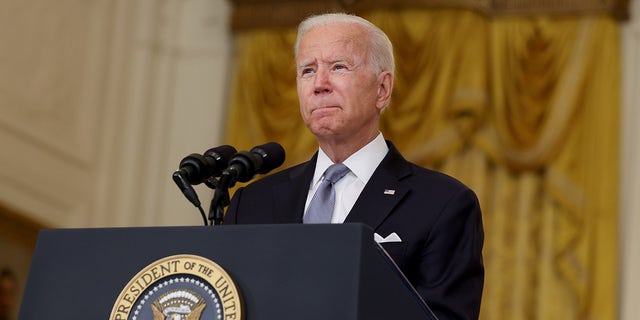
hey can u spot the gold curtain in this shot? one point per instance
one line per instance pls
(523, 110)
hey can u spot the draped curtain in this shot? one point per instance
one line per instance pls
(523, 110)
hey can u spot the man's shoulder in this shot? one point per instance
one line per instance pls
(434, 174)
(414, 173)
(275, 178)
(434, 181)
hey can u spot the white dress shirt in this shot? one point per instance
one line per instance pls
(361, 165)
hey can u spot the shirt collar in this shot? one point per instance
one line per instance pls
(362, 163)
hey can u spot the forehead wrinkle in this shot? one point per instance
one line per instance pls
(349, 47)
(325, 59)
(322, 56)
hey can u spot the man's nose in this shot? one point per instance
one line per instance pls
(322, 82)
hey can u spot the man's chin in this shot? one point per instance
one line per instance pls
(323, 132)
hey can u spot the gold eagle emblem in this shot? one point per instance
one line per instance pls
(178, 305)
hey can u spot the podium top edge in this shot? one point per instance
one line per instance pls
(346, 227)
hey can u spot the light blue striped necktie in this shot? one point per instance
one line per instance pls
(321, 206)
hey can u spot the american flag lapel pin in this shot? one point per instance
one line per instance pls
(389, 192)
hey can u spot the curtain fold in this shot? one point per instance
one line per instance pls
(524, 111)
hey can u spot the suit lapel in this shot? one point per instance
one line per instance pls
(291, 195)
(383, 192)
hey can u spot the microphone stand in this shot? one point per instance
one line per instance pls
(220, 198)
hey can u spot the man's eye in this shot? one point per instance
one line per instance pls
(306, 71)
(339, 67)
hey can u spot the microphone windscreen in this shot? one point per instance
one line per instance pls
(222, 154)
(272, 154)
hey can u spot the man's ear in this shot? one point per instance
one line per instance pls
(385, 87)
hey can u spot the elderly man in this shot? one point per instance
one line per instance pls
(345, 73)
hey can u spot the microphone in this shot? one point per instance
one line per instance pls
(243, 166)
(195, 168)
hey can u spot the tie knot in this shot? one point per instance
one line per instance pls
(335, 172)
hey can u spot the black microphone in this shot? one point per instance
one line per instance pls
(244, 165)
(195, 168)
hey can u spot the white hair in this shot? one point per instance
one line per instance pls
(381, 54)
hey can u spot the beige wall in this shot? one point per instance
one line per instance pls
(100, 100)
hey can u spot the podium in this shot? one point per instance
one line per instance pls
(287, 271)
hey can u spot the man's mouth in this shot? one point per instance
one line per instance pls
(324, 108)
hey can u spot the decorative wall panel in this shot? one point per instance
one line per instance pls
(52, 66)
(249, 14)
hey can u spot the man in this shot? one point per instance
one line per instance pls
(345, 72)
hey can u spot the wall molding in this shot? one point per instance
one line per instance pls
(630, 170)
(249, 14)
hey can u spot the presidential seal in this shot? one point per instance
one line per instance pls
(180, 287)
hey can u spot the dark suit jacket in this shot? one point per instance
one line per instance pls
(437, 217)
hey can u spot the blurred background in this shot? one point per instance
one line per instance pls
(534, 104)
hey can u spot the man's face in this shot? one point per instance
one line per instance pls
(337, 88)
